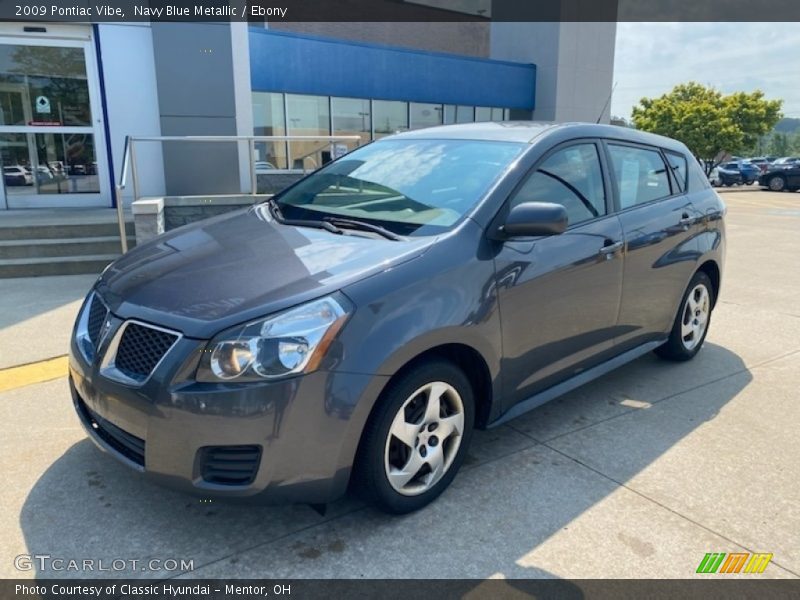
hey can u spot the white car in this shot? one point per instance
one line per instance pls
(262, 166)
(18, 173)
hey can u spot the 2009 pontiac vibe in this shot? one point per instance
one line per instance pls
(356, 328)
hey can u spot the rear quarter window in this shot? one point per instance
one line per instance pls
(680, 169)
(696, 177)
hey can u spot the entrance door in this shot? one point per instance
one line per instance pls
(51, 134)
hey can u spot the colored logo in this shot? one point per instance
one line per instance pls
(735, 562)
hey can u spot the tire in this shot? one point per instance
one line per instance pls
(689, 332)
(776, 183)
(405, 407)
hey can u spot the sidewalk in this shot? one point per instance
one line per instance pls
(36, 316)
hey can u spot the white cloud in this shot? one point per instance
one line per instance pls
(651, 58)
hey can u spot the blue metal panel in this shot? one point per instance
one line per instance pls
(281, 62)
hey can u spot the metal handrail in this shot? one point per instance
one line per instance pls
(129, 161)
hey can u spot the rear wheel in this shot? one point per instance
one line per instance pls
(691, 323)
(416, 440)
(776, 183)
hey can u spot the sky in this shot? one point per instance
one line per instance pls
(651, 58)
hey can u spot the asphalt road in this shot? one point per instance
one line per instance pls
(638, 474)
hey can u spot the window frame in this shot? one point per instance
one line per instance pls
(604, 170)
(613, 180)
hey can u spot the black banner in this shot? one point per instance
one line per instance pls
(713, 588)
(258, 11)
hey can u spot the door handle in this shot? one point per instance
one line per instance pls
(610, 248)
(686, 220)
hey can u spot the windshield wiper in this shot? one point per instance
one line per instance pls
(363, 225)
(276, 213)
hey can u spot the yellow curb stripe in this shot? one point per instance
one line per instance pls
(44, 370)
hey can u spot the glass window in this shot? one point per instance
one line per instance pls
(269, 119)
(43, 85)
(640, 173)
(65, 163)
(449, 114)
(389, 117)
(351, 116)
(465, 114)
(412, 187)
(497, 114)
(482, 113)
(506, 114)
(425, 115)
(571, 177)
(307, 115)
(679, 168)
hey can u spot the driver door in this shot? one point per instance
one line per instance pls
(559, 295)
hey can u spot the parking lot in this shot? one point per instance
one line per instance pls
(638, 474)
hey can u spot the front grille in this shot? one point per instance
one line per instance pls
(230, 465)
(140, 350)
(97, 316)
(120, 440)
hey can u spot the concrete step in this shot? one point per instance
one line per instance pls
(61, 265)
(38, 231)
(54, 247)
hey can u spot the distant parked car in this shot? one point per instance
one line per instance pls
(762, 162)
(43, 174)
(262, 166)
(782, 177)
(748, 170)
(720, 176)
(17, 175)
(786, 161)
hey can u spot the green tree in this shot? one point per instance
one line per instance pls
(710, 123)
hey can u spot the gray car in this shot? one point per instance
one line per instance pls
(354, 330)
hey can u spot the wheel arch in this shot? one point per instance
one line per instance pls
(465, 356)
(712, 270)
(472, 363)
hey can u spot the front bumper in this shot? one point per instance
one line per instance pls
(306, 429)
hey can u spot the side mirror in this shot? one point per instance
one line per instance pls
(535, 218)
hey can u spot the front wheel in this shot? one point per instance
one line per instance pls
(416, 440)
(691, 323)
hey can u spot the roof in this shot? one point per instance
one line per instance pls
(503, 131)
(531, 131)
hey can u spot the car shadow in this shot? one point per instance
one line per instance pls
(517, 489)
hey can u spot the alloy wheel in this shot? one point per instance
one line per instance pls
(776, 184)
(696, 312)
(424, 438)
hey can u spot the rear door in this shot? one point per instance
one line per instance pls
(659, 224)
(559, 295)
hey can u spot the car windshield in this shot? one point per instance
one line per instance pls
(410, 187)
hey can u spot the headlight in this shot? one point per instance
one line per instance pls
(291, 342)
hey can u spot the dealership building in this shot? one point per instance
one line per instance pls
(71, 93)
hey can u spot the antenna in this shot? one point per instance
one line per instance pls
(600, 116)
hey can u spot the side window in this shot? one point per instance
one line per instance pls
(640, 173)
(677, 163)
(571, 177)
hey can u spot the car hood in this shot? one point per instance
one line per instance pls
(205, 277)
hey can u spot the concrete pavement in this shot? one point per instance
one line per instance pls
(36, 316)
(638, 474)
